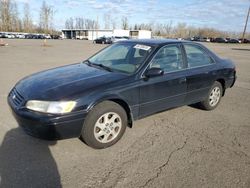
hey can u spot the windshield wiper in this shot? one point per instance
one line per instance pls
(102, 66)
(98, 65)
(88, 62)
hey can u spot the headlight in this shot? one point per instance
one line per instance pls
(51, 107)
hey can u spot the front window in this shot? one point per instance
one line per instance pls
(123, 57)
(168, 58)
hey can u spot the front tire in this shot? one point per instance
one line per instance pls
(213, 98)
(104, 125)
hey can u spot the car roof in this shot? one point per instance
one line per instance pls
(155, 41)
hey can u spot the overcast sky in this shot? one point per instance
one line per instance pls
(227, 15)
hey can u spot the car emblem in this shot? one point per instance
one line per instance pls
(14, 96)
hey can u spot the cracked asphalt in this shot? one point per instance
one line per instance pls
(181, 147)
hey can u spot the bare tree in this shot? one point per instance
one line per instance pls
(14, 18)
(91, 24)
(46, 17)
(106, 19)
(96, 24)
(113, 23)
(5, 11)
(168, 29)
(27, 20)
(135, 27)
(1, 20)
(69, 24)
(79, 23)
(125, 23)
(181, 30)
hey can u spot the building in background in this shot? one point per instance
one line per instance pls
(140, 34)
(92, 34)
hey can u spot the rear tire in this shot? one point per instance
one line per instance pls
(213, 98)
(104, 125)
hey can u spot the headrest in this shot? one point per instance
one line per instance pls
(142, 52)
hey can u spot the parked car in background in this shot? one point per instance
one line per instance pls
(212, 39)
(38, 36)
(97, 99)
(206, 39)
(244, 41)
(233, 41)
(199, 39)
(35, 36)
(195, 38)
(47, 36)
(20, 36)
(55, 37)
(189, 38)
(103, 40)
(10, 36)
(29, 36)
(115, 39)
(4, 35)
(220, 40)
(179, 38)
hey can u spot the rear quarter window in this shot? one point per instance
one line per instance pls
(196, 56)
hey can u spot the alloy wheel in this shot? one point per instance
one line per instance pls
(107, 127)
(214, 96)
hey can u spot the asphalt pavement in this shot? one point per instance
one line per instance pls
(182, 147)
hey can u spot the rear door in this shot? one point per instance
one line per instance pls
(201, 73)
(168, 90)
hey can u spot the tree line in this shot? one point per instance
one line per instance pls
(183, 30)
(166, 30)
(84, 23)
(11, 21)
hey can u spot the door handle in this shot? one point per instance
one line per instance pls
(182, 80)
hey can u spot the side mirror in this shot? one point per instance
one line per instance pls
(153, 72)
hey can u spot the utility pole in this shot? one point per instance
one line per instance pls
(96, 27)
(243, 35)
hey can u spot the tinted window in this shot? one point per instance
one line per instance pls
(196, 56)
(168, 58)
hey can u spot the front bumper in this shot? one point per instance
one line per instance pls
(47, 126)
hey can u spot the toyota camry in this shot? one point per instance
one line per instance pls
(96, 99)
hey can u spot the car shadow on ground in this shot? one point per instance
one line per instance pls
(27, 162)
(196, 106)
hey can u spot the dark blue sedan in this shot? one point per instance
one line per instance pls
(97, 99)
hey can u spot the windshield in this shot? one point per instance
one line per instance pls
(122, 57)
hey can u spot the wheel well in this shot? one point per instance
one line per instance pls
(126, 108)
(222, 82)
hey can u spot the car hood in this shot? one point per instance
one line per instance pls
(65, 82)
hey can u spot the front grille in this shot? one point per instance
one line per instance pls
(16, 98)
